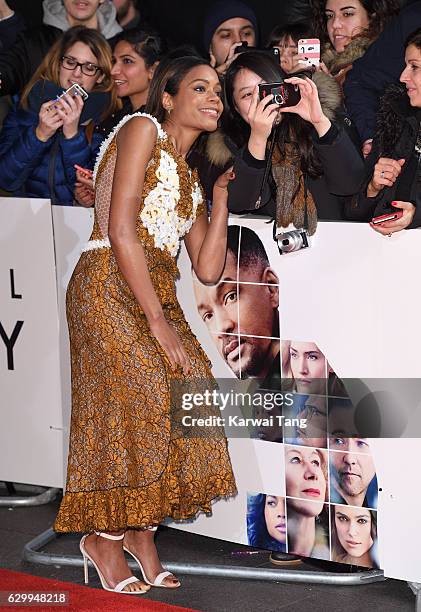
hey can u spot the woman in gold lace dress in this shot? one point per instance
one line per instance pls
(127, 468)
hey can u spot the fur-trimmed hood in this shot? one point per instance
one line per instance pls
(335, 62)
(330, 97)
(397, 122)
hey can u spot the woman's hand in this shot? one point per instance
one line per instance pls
(261, 116)
(391, 227)
(367, 146)
(171, 343)
(84, 195)
(49, 121)
(69, 109)
(386, 171)
(84, 187)
(309, 107)
(220, 188)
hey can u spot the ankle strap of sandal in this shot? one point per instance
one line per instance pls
(108, 536)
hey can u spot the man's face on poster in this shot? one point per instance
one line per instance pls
(235, 313)
(353, 466)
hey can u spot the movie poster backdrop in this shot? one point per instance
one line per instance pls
(310, 479)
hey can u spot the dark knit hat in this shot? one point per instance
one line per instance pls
(221, 11)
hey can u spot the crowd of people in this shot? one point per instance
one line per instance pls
(347, 151)
(164, 142)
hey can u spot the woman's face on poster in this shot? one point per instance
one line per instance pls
(304, 474)
(308, 367)
(353, 526)
(275, 517)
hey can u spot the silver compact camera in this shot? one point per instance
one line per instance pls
(293, 240)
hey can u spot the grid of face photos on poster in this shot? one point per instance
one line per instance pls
(329, 510)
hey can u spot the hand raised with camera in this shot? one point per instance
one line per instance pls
(69, 109)
(222, 68)
(386, 171)
(391, 227)
(261, 116)
(49, 121)
(309, 107)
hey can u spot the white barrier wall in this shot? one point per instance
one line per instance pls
(31, 411)
(354, 294)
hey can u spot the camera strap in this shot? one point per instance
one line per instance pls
(305, 224)
(268, 166)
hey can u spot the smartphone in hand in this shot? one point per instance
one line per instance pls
(284, 94)
(84, 171)
(391, 214)
(309, 52)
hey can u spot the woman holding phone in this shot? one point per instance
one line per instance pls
(48, 131)
(392, 185)
(136, 55)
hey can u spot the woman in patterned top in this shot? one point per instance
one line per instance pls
(130, 464)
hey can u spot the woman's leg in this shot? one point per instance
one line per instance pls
(109, 556)
(141, 543)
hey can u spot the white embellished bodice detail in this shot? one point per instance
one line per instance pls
(172, 196)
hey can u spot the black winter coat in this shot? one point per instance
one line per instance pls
(380, 66)
(337, 152)
(18, 64)
(398, 136)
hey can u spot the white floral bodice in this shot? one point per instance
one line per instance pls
(172, 196)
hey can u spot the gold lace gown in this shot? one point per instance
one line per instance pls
(126, 466)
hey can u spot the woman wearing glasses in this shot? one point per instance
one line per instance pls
(46, 133)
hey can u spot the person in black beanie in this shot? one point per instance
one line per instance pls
(228, 23)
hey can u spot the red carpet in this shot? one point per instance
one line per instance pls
(79, 597)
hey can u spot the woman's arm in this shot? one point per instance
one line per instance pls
(20, 149)
(135, 143)
(206, 243)
(247, 192)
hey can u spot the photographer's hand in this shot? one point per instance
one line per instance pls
(391, 227)
(309, 107)
(222, 68)
(261, 117)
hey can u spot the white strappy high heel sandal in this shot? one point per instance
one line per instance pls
(119, 588)
(159, 580)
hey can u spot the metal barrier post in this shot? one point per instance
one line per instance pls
(42, 496)
(31, 553)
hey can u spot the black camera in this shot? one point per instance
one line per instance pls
(272, 51)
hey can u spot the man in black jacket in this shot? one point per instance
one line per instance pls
(11, 24)
(381, 65)
(18, 64)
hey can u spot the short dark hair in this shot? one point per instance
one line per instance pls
(167, 78)
(252, 251)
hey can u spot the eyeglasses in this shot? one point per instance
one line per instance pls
(88, 69)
